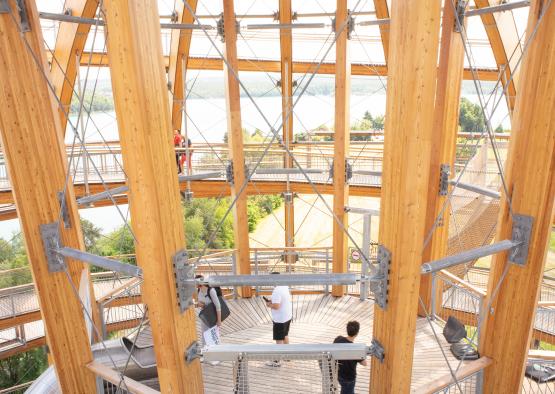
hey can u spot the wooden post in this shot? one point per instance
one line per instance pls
(235, 142)
(37, 165)
(407, 146)
(341, 144)
(531, 180)
(179, 48)
(382, 12)
(143, 114)
(286, 47)
(446, 125)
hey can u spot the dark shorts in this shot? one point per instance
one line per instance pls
(281, 330)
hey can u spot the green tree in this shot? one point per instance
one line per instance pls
(22, 367)
(118, 242)
(91, 235)
(471, 117)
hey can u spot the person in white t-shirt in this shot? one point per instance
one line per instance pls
(282, 313)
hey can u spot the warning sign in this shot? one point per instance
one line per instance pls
(355, 255)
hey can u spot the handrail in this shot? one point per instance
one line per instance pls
(13, 389)
(114, 377)
(447, 379)
(541, 354)
(117, 290)
(463, 283)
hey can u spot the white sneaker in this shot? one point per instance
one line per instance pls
(214, 362)
(274, 364)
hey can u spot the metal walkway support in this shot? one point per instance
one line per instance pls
(531, 179)
(408, 141)
(138, 82)
(38, 173)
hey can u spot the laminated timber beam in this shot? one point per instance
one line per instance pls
(408, 139)
(286, 54)
(179, 52)
(382, 12)
(446, 124)
(32, 136)
(530, 169)
(504, 41)
(70, 42)
(144, 121)
(235, 141)
(197, 63)
(341, 144)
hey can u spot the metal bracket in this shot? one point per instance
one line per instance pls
(287, 197)
(4, 7)
(350, 25)
(522, 230)
(51, 241)
(184, 280)
(64, 210)
(461, 9)
(229, 172)
(23, 16)
(276, 15)
(444, 172)
(376, 349)
(220, 29)
(187, 195)
(379, 283)
(192, 352)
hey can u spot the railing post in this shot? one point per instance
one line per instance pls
(234, 271)
(102, 320)
(256, 268)
(366, 227)
(433, 300)
(326, 287)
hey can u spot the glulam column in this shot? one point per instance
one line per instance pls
(35, 155)
(530, 176)
(407, 148)
(445, 128)
(235, 142)
(341, 143)
(286, 53)
(144, 123)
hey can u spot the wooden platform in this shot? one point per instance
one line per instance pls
(316, 319)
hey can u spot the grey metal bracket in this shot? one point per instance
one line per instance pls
(522, 230)
(51, 242)
(184, 280)
(350, 25)
(444, 172)
(64, 210)
(23, 16)
(287, 197)
(461, 10)
(376, 350)
(379, 283)
(192, 352)
(229, 172)
(187, 195)
(220, 27)
(4, 7)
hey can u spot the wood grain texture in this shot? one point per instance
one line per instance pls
(446, 126)
(144, 121)
(235, 140)
(530, 175)
(341, 144)
(37, 164)
(382, 12)
(179, 49)
(408, 137)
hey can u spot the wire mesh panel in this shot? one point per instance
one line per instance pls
(307, 373)
(544, 328)
(539, 377)
(467, 385)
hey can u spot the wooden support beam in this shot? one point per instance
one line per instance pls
(286, 53)
(341, 144)
(446, 125)
(408, 139)
(257, 65)
(32, 136)
(70, 42)
(235, 140)
(530, 176)
(382, 12)
(179, 50)
(143, 114)
(504, 41)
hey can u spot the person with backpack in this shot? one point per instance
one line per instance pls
(205, 296)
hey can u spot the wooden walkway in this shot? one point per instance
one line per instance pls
(316, 319)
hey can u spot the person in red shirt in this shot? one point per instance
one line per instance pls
(177, 144)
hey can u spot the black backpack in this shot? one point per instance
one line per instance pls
(218, 290)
